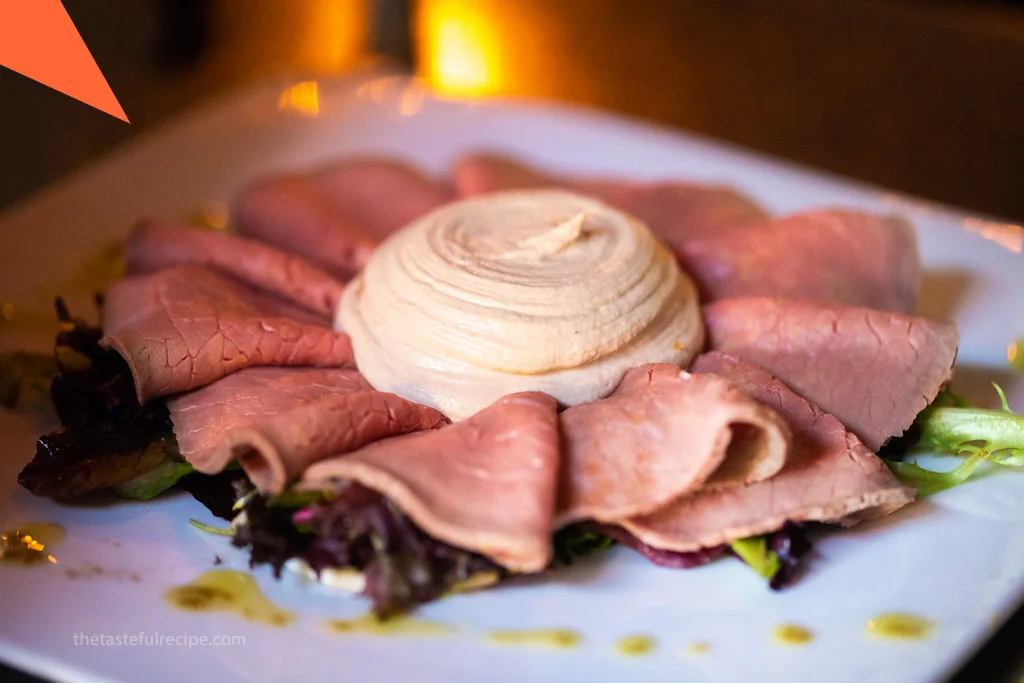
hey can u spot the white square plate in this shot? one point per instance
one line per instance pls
(957, 558)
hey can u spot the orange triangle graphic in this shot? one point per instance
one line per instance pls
(39, 40)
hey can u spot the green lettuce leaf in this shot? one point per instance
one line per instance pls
(151, 484)
(215, 530)
(954, 429)
(928, 482)
(950, 426)
(576, 541)
(754, 551)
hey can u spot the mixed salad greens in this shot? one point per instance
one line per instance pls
(108, 444)
(950, 426)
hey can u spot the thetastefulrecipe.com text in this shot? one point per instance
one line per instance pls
(157, 639)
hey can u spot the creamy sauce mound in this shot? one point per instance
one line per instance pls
(539, 290)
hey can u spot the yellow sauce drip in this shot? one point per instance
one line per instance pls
(228, 590)
(900, 626)
(791, 634)
(403, 625)
(635, 646)
(552, 637)
(697, 648)
(31, 543)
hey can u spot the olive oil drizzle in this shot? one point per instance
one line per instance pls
(899, 626)
(635, 645)
(558, 638)
(228, 590)
(31, 543)
(791, 634)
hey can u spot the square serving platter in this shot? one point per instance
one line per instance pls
(956, 558)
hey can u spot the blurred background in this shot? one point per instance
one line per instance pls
(923, 96)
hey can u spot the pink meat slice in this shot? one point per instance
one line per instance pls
(830, 476)
(335, 216)
(833, 256)
(485, 484)
(184, 328)
(156, 246)
(662, 433)
(203, 417)
(874, 370)
(677, 212)
(278, 421)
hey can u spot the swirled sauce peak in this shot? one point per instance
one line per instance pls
(526, 290)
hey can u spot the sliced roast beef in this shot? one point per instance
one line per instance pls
(156, 246)
(203, 417)
(874, 370)
(275, 451)
(183, 328)
(485, 484)
(336, 216)
(833, 256)
(677, 212)
(830, 476)
(662, 433)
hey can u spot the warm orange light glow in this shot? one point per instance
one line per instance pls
(31, 543)
(459, 49)
(335, 32)
(303, 98)
(213, 215)
(8, 311)
(1006, 235)
(1014, 356)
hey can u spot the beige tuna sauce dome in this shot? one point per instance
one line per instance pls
(539, 290)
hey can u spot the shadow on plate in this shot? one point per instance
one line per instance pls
(943, 291)
(974, 382)
(582, 571)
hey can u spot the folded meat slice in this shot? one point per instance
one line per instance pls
(183, 328)
(155, 246)
(336, 216)
(203, 417)
(874, 370)
(662, 433)
(277, 450)
(833, 256)
(676, 212)
(278, 421)
(485, 484)
(829, 477)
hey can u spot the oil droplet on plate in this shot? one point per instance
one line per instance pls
(211, 216)
(402, 625)
(228, 590)
(551, 637)
(635, 645)
(900, 626)
(30, 543)
(697, 648)
(791, 634)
